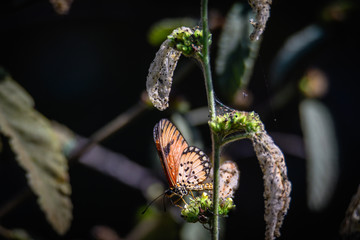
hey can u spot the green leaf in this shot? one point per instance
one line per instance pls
(236, 52)
(321, 147)
(294, 49)
(20, 234)
(38, 151)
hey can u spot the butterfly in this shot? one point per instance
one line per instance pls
(186, 167)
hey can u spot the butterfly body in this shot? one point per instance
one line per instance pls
(185, 167)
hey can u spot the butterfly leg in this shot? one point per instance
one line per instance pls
(177, 200)
(192, 194)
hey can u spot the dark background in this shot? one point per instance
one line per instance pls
(86, 67)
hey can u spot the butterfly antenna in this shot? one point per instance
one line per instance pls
(152, 202)
(164, 204)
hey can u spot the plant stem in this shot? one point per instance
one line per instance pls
(234, 138)
(216, 167)
(109, 129)
(205, 61)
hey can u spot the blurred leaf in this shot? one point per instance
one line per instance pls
(338, 11)
(14, 234)
(38, 152)
(314, 84)
(322, 152)
(236, 52)
(104, 233)
(160, 30)
(293, 50)
(20, 234)
(65, 136)
(191, 231)
(61, 7)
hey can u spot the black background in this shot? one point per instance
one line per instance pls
(85, 68)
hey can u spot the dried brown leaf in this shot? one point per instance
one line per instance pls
(38, 152)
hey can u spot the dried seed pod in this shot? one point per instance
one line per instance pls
(277, 187)
(159, 79)
(229, 180)
(350, 227)
(262, 10)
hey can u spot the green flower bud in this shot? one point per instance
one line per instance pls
(190, 213)
(226, 206)
(187, 43)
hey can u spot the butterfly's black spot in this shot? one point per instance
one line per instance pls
(195, 177)
(181, 164)
(180, 174)
(166, 149)
(193, 172)
(186, 169)
(188, 182)
(191, 162)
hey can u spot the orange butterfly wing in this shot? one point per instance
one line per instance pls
(194, 167)
(170, 145)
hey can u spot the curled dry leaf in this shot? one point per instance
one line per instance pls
(277, 187)
(38, 152)
(159, 79)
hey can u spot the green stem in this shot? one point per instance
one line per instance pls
(234, 138)
(216, 167)
(205, 61)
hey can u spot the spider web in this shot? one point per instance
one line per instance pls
(222, 109)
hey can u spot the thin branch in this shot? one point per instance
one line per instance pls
(109, 129)
(119, 167)
(15, 201)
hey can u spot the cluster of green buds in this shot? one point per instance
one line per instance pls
(225, 206)
(201, 209)
(186, 40)
(236, 121)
